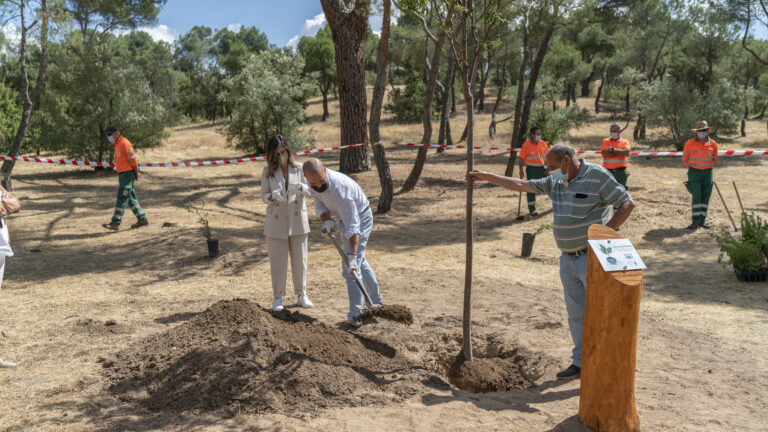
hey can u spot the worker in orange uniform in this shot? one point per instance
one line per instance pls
(533, 157)
(127, 165)
(615, 151)
(699, 156)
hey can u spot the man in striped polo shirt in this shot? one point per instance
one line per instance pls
(582, 194)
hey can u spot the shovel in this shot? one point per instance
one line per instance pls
(345, 258)
(519, 203)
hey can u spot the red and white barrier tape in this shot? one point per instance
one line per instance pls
(171, 164)
(761, 152)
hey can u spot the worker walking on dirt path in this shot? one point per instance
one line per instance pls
(338, 196)
(127, 165)
(582, 194)
(699, 156)
(533, 155)
(616, 150)
(283, 188)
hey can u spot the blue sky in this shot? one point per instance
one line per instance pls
(283, 21)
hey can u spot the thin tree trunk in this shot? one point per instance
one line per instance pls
(453, 100)
(348, 28)
(325, 104)
(380, 157)
(531, 90)
(28, 101)
(762, 112)
(746, 113)
(519, 101)
(421, 156)
(445, 118)
(626, 101)
(599, 92)
(484, 73)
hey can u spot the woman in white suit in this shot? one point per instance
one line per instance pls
(283, 188)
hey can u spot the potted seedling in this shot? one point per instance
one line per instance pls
(528, 239)
(205, 228)
(747, 251)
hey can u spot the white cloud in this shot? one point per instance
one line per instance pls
(234, 27)
(160, 32)
(312, 25)
(310, 28)
(12, 34)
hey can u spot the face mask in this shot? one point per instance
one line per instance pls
(702, 134)
(283, 158)
(614, 135)
(558, 176)
(538, 138)
(111, 138)
(320, 189)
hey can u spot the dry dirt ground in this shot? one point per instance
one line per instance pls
(701, 359)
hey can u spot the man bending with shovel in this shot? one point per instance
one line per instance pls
(338, 196)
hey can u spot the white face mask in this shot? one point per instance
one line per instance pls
(111, 138)
(614, 135)
(558, 176)
(538, 138)
(283, 158)
(702, 134)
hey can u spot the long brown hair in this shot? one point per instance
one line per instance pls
(273, 144)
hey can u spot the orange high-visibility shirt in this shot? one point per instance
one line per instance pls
(534, 154)
(699, 155)
(613, 162)
(125, 157)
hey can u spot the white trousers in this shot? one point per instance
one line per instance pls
(279, 250)
(2, 269)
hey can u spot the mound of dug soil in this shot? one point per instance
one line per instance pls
(238, 357)
(483, 375)
(389, 312)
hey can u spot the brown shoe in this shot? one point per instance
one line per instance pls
(140, 223)
(111, 226)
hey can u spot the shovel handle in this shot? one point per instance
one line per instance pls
(345, 258)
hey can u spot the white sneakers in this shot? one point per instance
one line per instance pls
(304, 302)
(6, 364)
(277, 306)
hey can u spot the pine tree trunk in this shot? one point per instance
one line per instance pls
(28, 101)
(348, 27)
(626, 101)
(597, 97)
(325, 104)
(380, 157)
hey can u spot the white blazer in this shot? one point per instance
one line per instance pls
(285, 219)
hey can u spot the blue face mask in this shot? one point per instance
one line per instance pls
(702, 134)
(614, 135)
(538, 138)
(111, 138)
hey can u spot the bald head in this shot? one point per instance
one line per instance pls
(314, 171)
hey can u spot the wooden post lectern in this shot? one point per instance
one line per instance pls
(607, 401)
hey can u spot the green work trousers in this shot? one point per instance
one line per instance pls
(533, 173)
(700, 187)
(126, 196)
(620, 174)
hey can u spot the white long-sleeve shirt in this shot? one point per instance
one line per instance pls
(344, 199)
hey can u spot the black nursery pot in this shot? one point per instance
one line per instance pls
(213, 248)
(751, 276)
(527, 244)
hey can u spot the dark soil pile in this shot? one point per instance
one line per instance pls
(238, 357)
(389, 312)
(512, 370)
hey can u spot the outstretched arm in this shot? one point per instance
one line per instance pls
(510, 183)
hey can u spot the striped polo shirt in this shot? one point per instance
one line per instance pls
(586, 200)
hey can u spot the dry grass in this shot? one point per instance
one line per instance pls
(701, 353)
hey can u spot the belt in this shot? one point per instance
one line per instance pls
(577, 253)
